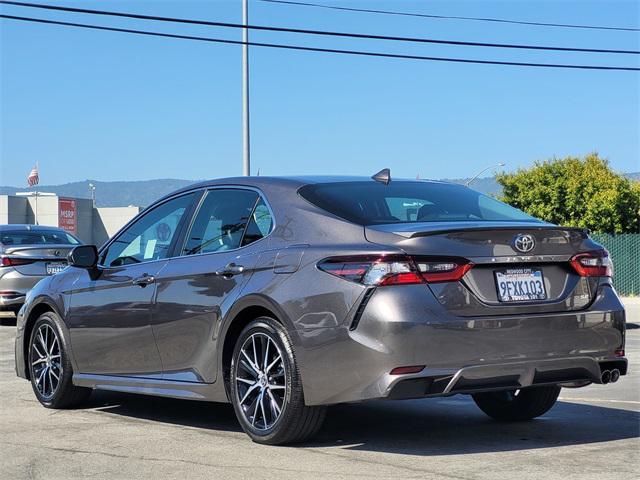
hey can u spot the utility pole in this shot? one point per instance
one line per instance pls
(92, 187)
(246, 154)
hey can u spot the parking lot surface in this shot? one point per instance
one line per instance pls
(592, 433)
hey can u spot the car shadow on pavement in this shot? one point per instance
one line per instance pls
(445, 426)
(7, 320)
(452, 426)
(187, 413)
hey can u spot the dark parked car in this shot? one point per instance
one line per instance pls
(28, 253)
(284, 295)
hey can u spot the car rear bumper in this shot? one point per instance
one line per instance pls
(400, 327)
(11, 300)
(14, 286)
(574, 372)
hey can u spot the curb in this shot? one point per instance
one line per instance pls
(630, 300)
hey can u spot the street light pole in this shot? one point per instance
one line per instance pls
(92, 187)
(469, 182)
(246, 157)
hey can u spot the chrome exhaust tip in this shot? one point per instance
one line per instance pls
(615, 375)
(605, 377)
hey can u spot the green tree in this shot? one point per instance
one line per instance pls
(581, 192)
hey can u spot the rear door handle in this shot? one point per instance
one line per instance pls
(144, 280)
(230, 270)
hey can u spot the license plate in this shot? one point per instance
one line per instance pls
(520, 285)
(55, 267)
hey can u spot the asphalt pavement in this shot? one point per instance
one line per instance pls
(591, 433)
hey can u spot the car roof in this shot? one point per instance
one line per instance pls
(293, 182)
(296, 180)
(28, 227)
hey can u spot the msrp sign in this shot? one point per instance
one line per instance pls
(68, 215)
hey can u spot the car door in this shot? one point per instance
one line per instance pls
(110, 307)
(195, 289)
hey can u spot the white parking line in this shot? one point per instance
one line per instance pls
(598, 400)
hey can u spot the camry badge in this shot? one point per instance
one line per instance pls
(524, 242)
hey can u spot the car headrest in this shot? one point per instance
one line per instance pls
(429, 212)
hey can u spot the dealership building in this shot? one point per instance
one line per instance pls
(78, 216)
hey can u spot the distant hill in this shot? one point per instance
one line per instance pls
(486, 185)
(112, 194)
(143, 193)
(489, 186)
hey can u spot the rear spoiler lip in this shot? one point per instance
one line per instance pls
(14, 249)
(34, 259)
(476, 227)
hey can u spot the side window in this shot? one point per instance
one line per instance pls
(150, 237)
(259, 225)
(220, 221)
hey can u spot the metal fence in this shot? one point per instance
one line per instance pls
(625, 252)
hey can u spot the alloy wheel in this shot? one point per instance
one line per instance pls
(46, 365)
(261, 381)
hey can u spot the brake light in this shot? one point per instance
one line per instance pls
(396, 270)
(593, 264)
(447, 271)
(14, 261)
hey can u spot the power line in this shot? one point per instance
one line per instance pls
(316, 32)
(452, 17)
(317, 49)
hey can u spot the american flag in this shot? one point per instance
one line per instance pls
(33, 178)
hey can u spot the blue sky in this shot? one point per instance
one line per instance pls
(111, 106)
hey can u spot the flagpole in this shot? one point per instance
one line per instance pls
(35, 220)
(32, 181)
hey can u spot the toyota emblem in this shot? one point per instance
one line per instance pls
(524, 242)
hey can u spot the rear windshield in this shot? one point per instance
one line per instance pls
(373, 203)
(34, 237)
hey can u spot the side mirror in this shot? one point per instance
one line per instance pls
(83, 256)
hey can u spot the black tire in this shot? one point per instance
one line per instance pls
(60, 394)
(296, 421)
(518, 405)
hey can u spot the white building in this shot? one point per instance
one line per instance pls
(77, 215)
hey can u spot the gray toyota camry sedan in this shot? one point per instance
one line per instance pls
(285, 295)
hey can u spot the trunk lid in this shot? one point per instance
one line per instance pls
(493, 249)
(43, 259)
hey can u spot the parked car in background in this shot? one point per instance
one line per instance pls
(285, 295)
(29, 253)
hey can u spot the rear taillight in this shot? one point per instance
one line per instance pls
(593, 264)
(443, 271)
(396, 270)
(14, 261)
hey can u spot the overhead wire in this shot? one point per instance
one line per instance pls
(325, 33)
(317, 49)
(452, 17)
